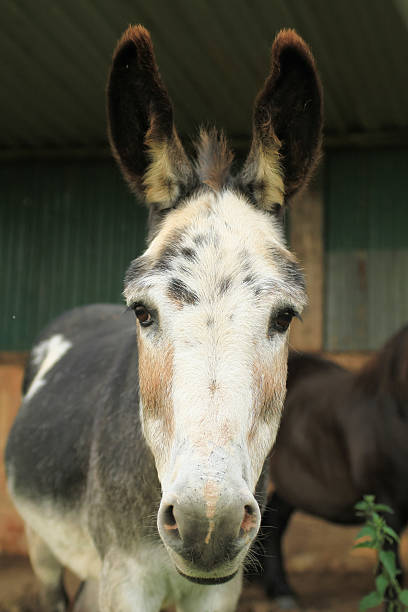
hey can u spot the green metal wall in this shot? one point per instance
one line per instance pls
(366, 240)
(68, 231)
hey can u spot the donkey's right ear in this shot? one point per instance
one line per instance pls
(141, 126)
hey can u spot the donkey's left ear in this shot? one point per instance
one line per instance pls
(141, 128)
(287, 124)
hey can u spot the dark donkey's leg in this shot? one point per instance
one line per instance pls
(274, 523)
(50, 573)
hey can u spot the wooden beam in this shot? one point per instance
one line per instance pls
(68, 153)
(240, 144)
(384, 139)
(13, 358)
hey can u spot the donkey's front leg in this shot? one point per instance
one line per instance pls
(217, 598)
(49, 571)
(87, 597)
(130, 585)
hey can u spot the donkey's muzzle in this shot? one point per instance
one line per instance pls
(208, 534)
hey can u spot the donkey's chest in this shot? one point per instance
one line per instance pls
(67, 536)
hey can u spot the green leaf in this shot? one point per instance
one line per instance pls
(376, 518)
(370, 601)
(383, 508)
(403, 597)
(366, 544)
(387, 558)
(361, 505)
(389, 531)
(381, 584)
(367, 530)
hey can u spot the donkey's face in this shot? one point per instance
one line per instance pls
(214, 295)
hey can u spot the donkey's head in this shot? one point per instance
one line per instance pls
(213, 294)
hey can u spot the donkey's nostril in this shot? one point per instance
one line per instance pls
(169, 527)
(250, 521)
(169, 522)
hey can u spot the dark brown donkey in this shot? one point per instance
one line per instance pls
(342, 435)
(137, 456)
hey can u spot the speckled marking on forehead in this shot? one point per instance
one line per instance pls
(179, 292)
(215, 243)
(179, 221)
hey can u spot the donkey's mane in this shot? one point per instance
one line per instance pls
(214, 159)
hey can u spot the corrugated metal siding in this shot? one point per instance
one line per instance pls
(213, 56)
(366, 248)
(68, 231)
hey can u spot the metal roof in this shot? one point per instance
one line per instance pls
(213, 55)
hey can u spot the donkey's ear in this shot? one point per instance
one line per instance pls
(287, 124)
(141, 126)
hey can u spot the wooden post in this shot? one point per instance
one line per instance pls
(12, 539)
(307, 242)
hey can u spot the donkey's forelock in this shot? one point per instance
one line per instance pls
(214, 159)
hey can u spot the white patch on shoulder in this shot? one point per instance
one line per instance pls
(45, 355)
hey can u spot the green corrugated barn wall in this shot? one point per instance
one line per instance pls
(68, 231)
(366, 241)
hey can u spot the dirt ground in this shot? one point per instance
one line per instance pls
(327, 575)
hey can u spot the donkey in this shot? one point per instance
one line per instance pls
(142, 467)
(342, 436)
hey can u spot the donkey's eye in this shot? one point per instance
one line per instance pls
(281, 321)
(143, 315)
